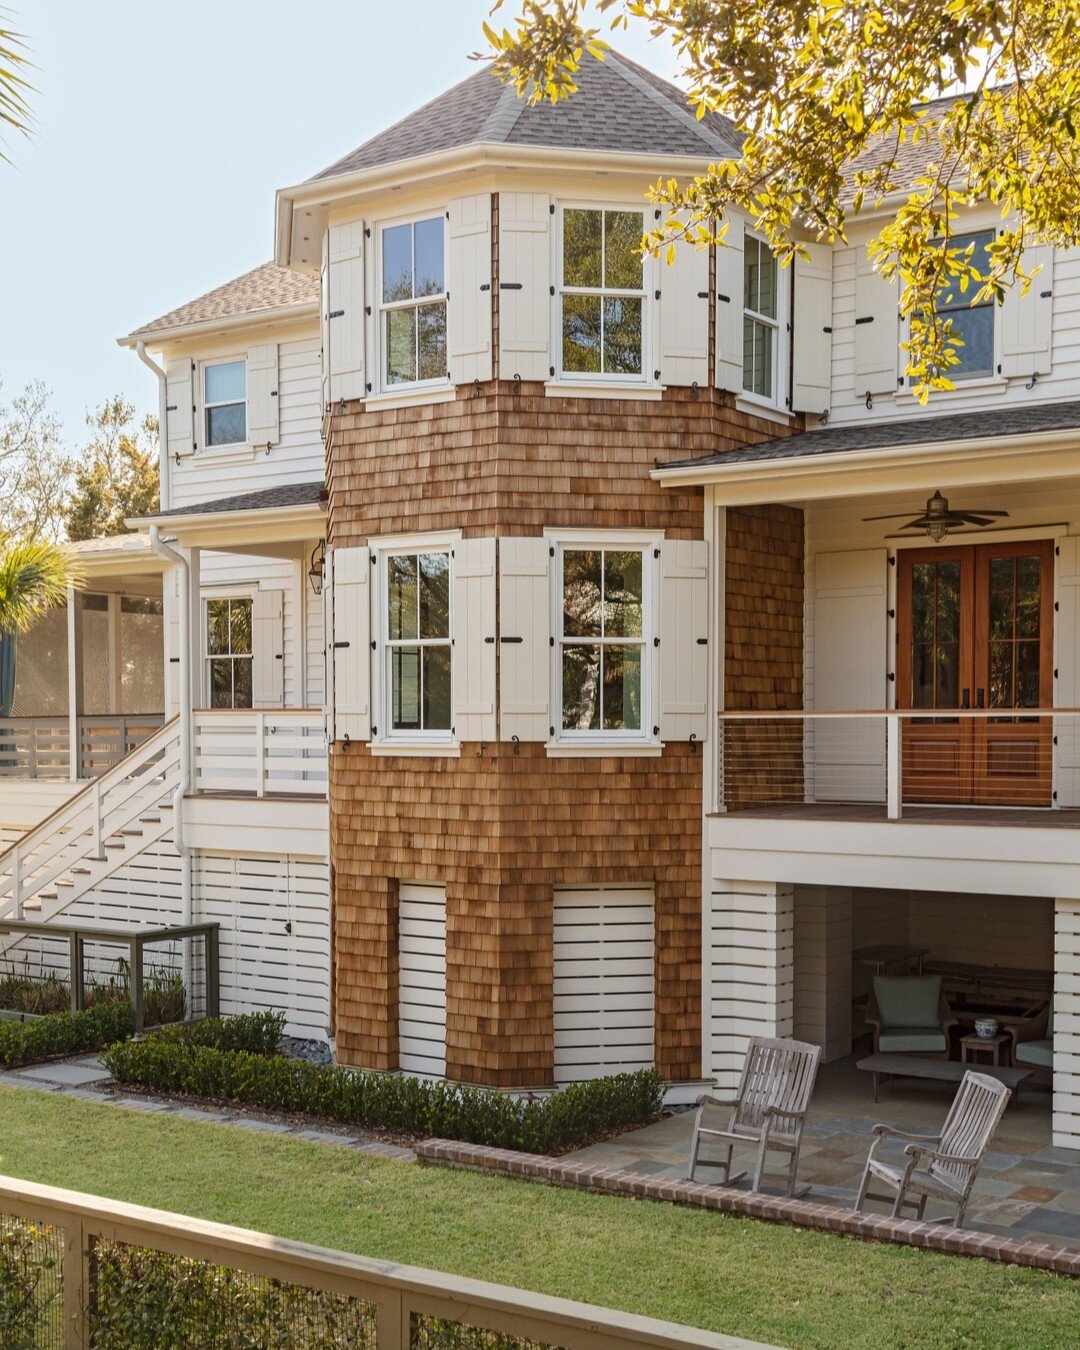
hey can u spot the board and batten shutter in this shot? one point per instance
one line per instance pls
(173, 655)
(684, 316)
(1027, 321)
(351, 643)
(877, 329)
(1067, 668)
(422, 980)
(180, 406)
(684, 631)
(324, 325)
(846, 761)
(811, 364)
(524, 638)
(468, 310)
(345, 316)
(262, 394)
(524, 285)
(474, 639)
(729, 309)
(268, 649)
(604, 973)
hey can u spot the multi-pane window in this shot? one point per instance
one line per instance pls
(413, 302)
(972, 323)
(418, 646)
(602, 639)
(228, 652)
(225, 402)
(761, 327)
(602, 292)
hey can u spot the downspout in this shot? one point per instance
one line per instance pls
(164, 464)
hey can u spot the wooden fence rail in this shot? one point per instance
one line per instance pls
(397, 1299)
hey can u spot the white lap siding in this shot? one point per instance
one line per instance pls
(604, 982)
(1067, 1024)
(422, 980)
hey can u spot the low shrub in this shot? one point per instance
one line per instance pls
(167, 1062)
(258, 1033)
(65, 1033)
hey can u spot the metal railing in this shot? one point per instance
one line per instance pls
(94, 1267)
(261, 753)
(984, 757)
(40, 747)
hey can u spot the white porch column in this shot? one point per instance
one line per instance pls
(75, 679)
(747, 971)
(1067, 1024)
(822, 968)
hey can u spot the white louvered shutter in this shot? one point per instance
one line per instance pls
(345, 316)
(684, 632)
(811, 367)
(268, 649)
(684, 316)
(1027, 321)
(524, 639)
(524, 285)
(474, 639)
(729, 310)
(180, 406)
(468, 310)
(604, 976)
(262, 394)
(1067, 667)
(422, 980)
(324, 324)
(351, 644)
(850, 638)
(877, 330)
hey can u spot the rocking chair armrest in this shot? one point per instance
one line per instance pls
(774, 1112)
(914, 1151)
(706, 1099)
(882, 1131)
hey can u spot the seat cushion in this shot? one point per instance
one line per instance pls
(901, 1040)
(908, 1000)
(1039, 1053)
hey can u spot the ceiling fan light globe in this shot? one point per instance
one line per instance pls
(937, 530)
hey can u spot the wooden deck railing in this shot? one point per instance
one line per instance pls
(40, 747)
(261, 753)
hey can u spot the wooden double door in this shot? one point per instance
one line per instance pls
(975, 631)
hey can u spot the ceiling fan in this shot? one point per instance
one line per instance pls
(937, 520)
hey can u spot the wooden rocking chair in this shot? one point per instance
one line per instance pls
(769, 1109)
(940, 1166)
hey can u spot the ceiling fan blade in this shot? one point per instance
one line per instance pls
(967, 518)
(893, 515)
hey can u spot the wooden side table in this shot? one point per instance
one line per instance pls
(971, 1046)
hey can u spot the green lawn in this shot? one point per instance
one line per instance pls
(765, 1282)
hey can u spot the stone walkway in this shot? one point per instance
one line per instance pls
(85, 1078)
(1026, 1189)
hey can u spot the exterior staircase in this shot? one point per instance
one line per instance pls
(105, 825)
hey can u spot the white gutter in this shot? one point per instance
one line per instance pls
(164, 465)
(172, 555)
(255, 318)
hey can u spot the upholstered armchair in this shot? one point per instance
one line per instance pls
(1033, 1043)
(910, 1015)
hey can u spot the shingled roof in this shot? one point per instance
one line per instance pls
(264, 288)
(619, 106)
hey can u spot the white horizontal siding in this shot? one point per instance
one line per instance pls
(422, 980)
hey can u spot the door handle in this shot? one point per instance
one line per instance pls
(980, 698)
(965, 698)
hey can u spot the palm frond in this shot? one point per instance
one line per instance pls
(15, 112)
(34, 576)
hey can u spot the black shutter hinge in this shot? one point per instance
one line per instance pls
(551, 290)
(551, 642)
(551, 371)
(551, 208)
(337, 645)
(656, 642)
(656, 553)
(485, 285)
(721, 296)
(702, 642)
(656, 295)
(337, 314)
(551, 551)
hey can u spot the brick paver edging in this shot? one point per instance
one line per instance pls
(937, 1237)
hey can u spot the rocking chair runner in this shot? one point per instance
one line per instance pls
(768, 1110)
(940, 1166)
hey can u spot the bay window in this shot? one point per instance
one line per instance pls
(412, 303)
(601, 318)
(417, 644)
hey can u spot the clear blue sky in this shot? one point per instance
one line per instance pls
(162, 133)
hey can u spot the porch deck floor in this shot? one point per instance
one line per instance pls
(1028, 817)
(1027, 1188)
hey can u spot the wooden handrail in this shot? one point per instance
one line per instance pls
(793, 714)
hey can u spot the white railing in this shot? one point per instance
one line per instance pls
(988, 757)
(40, 747)
(262, 753)
(81, 1256)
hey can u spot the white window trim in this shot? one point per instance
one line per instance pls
(780, 398)
(647, 739)
(231, 593)
(983, 379)
(226, 447)
(384, 740)
(649, 328)
(379, 309)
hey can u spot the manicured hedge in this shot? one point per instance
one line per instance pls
(257, 1033)
(551, 1124)
(64, 1034)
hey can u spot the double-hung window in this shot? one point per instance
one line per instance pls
(761, 323)
(603, 622)
(229, 655)
(412, 305)
(973, 324)
(417, 645)
(602, 312)
(225, 402)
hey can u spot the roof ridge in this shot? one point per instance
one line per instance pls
(503, 118)
(631, 73)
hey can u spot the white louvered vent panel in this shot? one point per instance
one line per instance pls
(604, 976)
(422, 980)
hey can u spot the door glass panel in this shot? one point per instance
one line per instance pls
(1028, 596)
(1014, 616)
(935, 634)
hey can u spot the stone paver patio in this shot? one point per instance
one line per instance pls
(1027, 1188)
